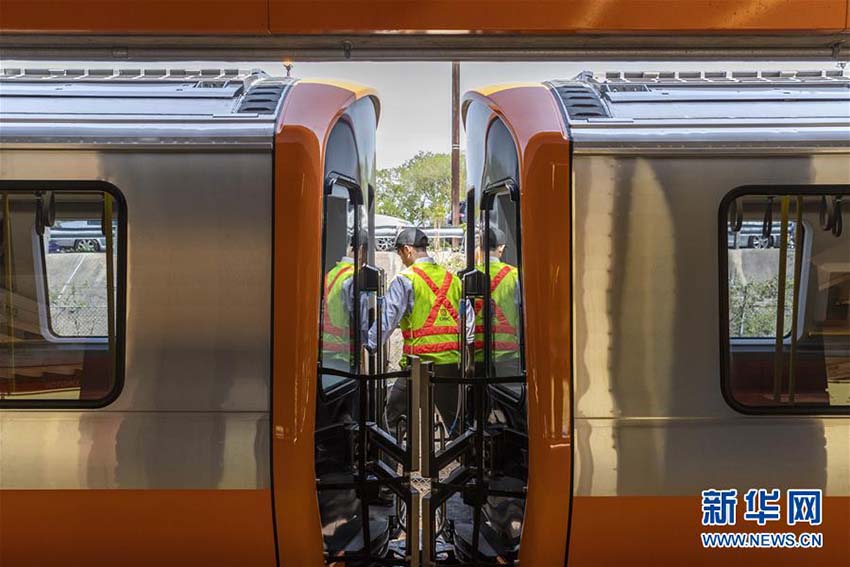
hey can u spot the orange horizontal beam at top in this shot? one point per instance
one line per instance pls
(209, 17)
(558, 16)
(186, 17)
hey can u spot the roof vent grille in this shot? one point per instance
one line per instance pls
(262, 98)
(722, 78)
(206, 76)
(580, 102)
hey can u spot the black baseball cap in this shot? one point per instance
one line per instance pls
(495, 237)
(411, 236)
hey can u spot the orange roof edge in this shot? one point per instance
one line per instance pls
(359, 91)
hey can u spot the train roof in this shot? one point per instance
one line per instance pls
(700, 95)
(680, 106)
(216, 105)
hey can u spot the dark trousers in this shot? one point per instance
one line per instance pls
(445, 398)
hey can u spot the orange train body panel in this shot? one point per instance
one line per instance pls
(136, 527)
(366, 16)
(636, 520)
(309, 113)
(534, 120)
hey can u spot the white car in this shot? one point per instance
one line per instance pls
(386, 230)
(77, 236)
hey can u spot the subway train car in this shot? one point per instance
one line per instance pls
(196, 390)
(669, 361)
(153, 407)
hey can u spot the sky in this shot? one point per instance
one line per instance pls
(416, 96)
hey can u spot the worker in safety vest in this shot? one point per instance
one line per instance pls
(337, 308)
(425, 301)
(506, 302)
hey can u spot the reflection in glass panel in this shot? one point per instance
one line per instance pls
(754, 280)
(501, 258)
(75, 270)
(485, 526)
(808, 366)
(58, 295)
(345, 467)
(337, 314)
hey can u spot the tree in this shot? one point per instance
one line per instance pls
(418, 190)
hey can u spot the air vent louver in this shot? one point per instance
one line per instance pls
(262, 98)
(580, 102)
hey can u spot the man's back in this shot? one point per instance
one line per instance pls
(430, 329)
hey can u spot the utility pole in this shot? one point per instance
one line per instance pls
(455, 143)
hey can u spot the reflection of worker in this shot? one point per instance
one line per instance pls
(424, 300)
(337, 337)
(506, 300)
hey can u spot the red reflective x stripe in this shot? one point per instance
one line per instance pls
(506, 329)
(440, 300)
(499, 277)
(432, 348)
(338, 347)
(504, 325)
(429, 332)
(338, 275)
(329, 327)
(503, 321)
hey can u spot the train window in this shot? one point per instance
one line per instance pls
(785, 271)
(337, 338)
(60, 295)
(498, 345)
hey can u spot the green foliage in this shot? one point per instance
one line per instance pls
(752, 308)
(419, 190)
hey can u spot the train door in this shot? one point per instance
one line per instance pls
(478, 465)
(362, 468)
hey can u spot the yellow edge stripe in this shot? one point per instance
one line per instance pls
(359, 91)
(491, 89)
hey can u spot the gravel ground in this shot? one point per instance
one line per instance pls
(76, 283)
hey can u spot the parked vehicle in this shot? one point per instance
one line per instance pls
(77, 236)
(386, 229)
(751, 236)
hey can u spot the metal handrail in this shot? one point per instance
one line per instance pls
(8, 273)
(778, 361)
(106, 227)
(799, 232)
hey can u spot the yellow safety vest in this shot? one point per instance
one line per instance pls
(431, 329)
(337, 339)
(505, 326)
